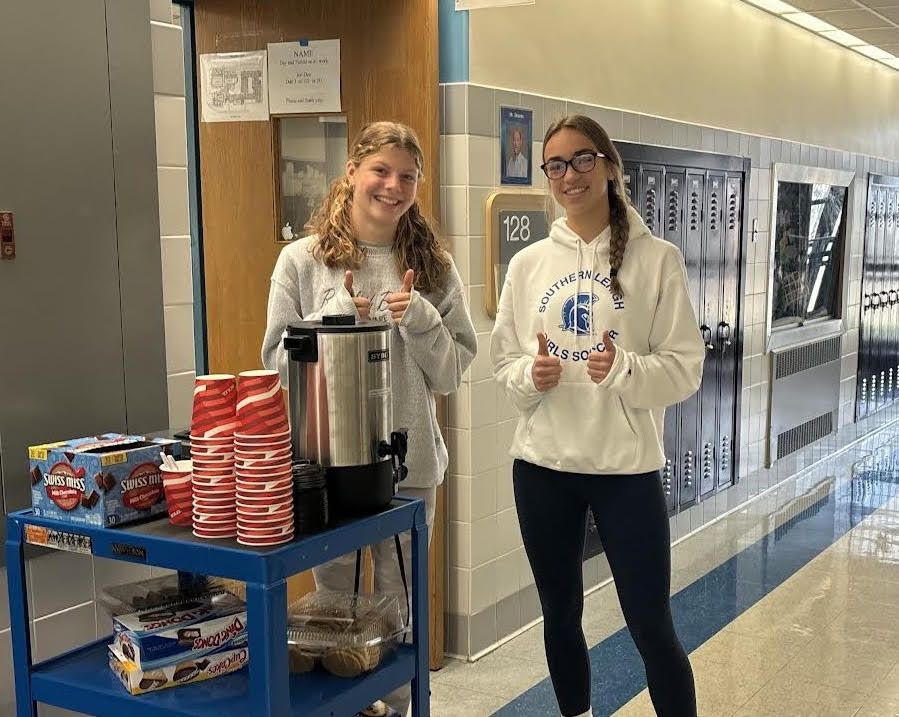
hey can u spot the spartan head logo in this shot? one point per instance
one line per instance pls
(576, 313)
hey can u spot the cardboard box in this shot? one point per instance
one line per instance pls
(138, 681)
(184, 631)
(103, 480)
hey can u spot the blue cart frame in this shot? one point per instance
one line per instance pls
(81, 679)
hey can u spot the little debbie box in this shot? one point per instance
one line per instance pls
(102, 480)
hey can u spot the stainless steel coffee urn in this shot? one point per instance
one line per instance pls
(341, 410)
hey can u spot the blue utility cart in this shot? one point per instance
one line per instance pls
(81, 679)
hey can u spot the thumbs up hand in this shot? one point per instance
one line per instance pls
(599, 363)
(547, 370)
(398, 301)
(363, 305)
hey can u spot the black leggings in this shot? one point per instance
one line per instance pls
(632, 521)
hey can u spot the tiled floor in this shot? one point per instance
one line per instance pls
(789, 607)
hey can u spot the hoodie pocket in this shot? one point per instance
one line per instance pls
(583, 428)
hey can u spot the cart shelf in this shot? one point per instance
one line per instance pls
(81, 679)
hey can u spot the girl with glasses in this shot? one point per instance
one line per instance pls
(595, 336)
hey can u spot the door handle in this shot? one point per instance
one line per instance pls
(707, 337)
(724, 335)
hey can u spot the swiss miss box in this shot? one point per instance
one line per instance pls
(102, 480)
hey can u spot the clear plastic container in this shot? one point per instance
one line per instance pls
(163, 590)
(346, 634)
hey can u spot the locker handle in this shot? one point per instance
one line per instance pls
(707, 337)
(724, 334)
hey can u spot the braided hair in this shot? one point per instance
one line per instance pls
(618, 223)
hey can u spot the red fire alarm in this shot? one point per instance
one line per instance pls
(7, 236)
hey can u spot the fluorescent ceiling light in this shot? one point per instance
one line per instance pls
(892, 63)
(775, 6)
(809, 22)
(844, 38)
(874, 53)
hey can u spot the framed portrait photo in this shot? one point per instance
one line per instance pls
(515, 133)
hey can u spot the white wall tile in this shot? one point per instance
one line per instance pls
(459, 497)
(458, 443)
(477, 210)
(483, 162)
(505, 493)
(455, 211)
(507, 580)
(508, 531)
(483, 403)
(459, 590)
(171, 131)
(161, 10)
(478, 261)
(477, 305)
(484, 449)
(458, 246)
(177, 277)
(179, 338)
(483, 494)
(484, 541)
(64, 630)
(481, 368)
(483, 587)
(174, 214)
(59, 580)
(455, 159)
(458, 407)
(460, 544)
(181, 393)
(168, 59)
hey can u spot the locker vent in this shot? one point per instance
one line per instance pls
(802, 435)
(805, 357)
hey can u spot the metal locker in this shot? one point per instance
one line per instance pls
(866, 329)
(726, 329)
(688, 443)
(650, 198)
(710, 312)
(630, 175)
(892, 297)
(879, 381)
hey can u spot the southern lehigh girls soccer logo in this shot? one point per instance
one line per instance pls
(576, 313)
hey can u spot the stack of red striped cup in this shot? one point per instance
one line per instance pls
(262, 458)
(212, 452)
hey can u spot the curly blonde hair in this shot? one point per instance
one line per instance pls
(591, 129)
(415, 245)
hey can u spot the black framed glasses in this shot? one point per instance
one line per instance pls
(582, 163)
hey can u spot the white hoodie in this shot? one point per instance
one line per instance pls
(559, 286)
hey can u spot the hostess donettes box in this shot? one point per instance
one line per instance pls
(102, 480)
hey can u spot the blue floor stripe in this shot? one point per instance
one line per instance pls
(707, 605)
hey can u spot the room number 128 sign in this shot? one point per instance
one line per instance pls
(518, 228)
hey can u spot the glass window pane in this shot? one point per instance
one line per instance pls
(790, 248)
(313, 153)
(825, 242)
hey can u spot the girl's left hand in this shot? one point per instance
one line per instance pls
(398, 302)
(599, 363)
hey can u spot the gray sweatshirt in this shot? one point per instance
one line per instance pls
(429, 349)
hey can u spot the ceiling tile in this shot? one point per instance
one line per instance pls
(824, 4)
(851, 19)
(880, 3)
(890, 12)
(881, 38)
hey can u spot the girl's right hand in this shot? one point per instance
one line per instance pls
(547, 370)
(363, 305)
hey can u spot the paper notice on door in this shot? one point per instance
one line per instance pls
(233, 87)
(304, 76)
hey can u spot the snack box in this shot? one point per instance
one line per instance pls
(104, 480)
(138, 681)
(186, 630)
